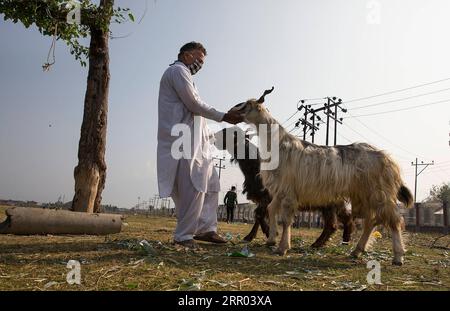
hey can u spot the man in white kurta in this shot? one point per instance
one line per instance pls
(191, 181)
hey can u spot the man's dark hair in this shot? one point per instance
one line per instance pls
(191, 46)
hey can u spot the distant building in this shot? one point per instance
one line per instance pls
(431, 214)
(20, 203)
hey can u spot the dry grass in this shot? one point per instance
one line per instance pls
(117, 263)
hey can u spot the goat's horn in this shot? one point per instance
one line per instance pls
(266, 92)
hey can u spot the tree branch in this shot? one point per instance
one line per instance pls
(32, 11)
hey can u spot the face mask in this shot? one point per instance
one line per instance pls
(195, 67)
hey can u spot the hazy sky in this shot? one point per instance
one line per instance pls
(306, 49)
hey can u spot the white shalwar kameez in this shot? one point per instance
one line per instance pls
(192, 182)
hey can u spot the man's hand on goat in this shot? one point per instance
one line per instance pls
(233, 117)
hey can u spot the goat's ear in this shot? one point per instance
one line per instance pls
(239, 107)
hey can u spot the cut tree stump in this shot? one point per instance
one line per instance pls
(30, 221)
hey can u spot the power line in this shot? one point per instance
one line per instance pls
(290, 117)
(441, 167)
(290, 124)
(446, 162)
(401, 99)
(333, 115)
(311, 121)
(294, 129)
(443, 162)
(397, 110)
(313, 99)
(444, 177)
(303, 101)
(315, 104)
(362, 136)
(342, 136)
(396, 91)
(379, 113)
(383, 137)
(369, 140)
(378, 134)
(405, 159)
(417, 164)
(298, 109)
(378, 95)
(433, 170)
(305, 122)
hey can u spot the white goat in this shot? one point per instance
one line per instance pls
(312, 175)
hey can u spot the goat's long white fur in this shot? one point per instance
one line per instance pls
(309, 174)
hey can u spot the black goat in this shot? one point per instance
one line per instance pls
(250, 165)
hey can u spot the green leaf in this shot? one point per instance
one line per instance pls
(132, 285)
(37, 13)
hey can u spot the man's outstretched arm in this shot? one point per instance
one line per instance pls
(182, 82)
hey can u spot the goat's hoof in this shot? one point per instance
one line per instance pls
(248, 238)
(397, 262)
(270, 243)
(345, 243)
(281, 252)
(317, 245)
(355, 254)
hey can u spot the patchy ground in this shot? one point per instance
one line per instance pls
(118, 262)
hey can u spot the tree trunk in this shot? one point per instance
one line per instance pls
(90, 173)
(29, 221)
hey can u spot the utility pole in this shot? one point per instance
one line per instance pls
(417, 174)
(313, 126)
(332, 103)
(328, 111)
(305, 122)
(220, 166)
(335, 116)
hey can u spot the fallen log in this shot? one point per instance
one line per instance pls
(31, 221)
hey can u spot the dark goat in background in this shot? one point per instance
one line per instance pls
(250, 165)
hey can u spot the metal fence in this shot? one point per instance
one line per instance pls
(427, 217)
(243, 213)
(423, 217)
